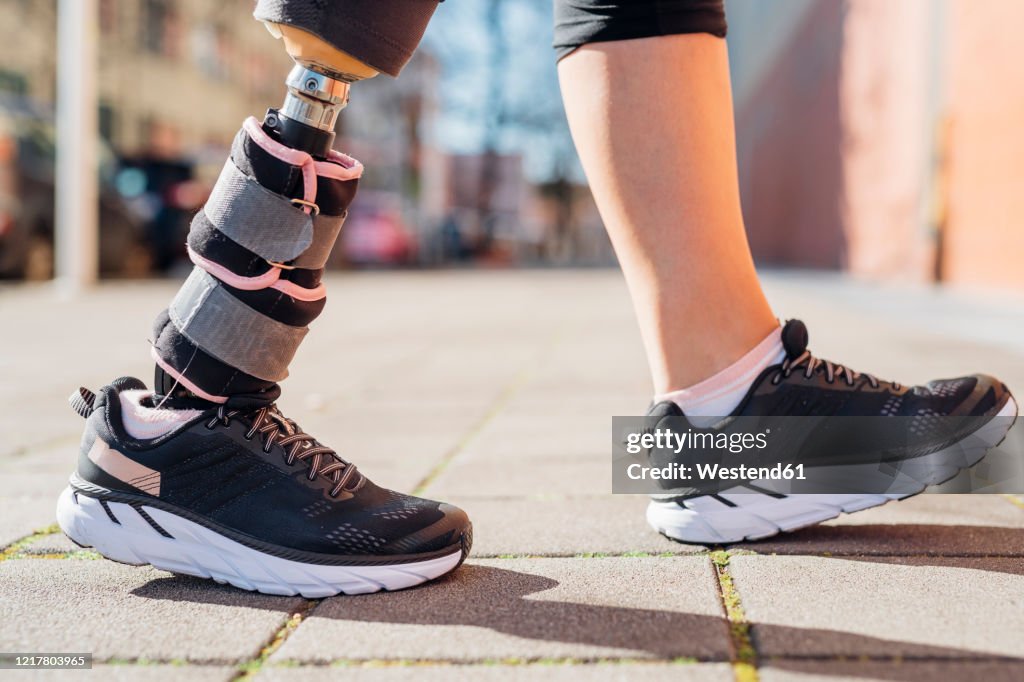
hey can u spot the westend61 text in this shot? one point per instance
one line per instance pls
(716, 472)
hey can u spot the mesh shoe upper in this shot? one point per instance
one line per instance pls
(255, 473)
(804, 385)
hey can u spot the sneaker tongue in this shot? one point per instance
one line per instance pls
(794, 339)
(127, 384)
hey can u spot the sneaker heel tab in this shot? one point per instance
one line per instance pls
(83, 401)
(665, 408)
(128, 384)
(794, 338)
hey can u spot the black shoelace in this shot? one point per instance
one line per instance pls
(276, 429)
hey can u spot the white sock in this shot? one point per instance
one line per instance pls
(145, 423)
(719, 395)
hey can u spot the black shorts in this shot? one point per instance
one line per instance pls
(578, 22)
(385, 33)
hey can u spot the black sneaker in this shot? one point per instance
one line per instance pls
(807, 386)
(244, 496)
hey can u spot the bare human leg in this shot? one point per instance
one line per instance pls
(652, 120)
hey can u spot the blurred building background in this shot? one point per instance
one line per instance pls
(875, 137)
(177, 77)
(882, 137)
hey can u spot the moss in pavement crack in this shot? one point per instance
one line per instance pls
(1015, 500)
(745, 665)
(17, 545)
(249, 669)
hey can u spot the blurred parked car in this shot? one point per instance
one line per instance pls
(375, 233)
(164, 192)
(27, 150)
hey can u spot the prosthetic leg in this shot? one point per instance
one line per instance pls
(207, 477)
(260, 243)
(318, 90)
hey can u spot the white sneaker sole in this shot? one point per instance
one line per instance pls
(196, 550)
(737, 516)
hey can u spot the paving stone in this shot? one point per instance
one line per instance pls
(32, 482)
(552, 475)
(123, 612)
(602, 672)
(23, 515)
(521, 435)
(953, 510)
(883, 671)
(612, 524)
(982, 525)
(524, 346)
(54, 543)
(29, 501)
(537, 608)
(39, 375)
(142, 673)
(630, 397)
(895, 606)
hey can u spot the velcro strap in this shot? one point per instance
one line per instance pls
(325, 232)
(265, 223)
(229, 330)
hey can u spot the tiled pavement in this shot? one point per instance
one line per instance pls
(494, 390)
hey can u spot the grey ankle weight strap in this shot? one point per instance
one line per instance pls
(267, 224)
(229, 330)
(325, 232)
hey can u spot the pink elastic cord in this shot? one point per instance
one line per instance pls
(183, 381)
(288, 155)
(299, 293)
(339, 166)
(267, 279)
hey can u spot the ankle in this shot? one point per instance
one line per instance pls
(719, 394)
(686, 364)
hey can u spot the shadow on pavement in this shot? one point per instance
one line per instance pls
(920, 541)
(510, 602)
(902, 670)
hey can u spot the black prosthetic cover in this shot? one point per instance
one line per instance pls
(381, 33)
